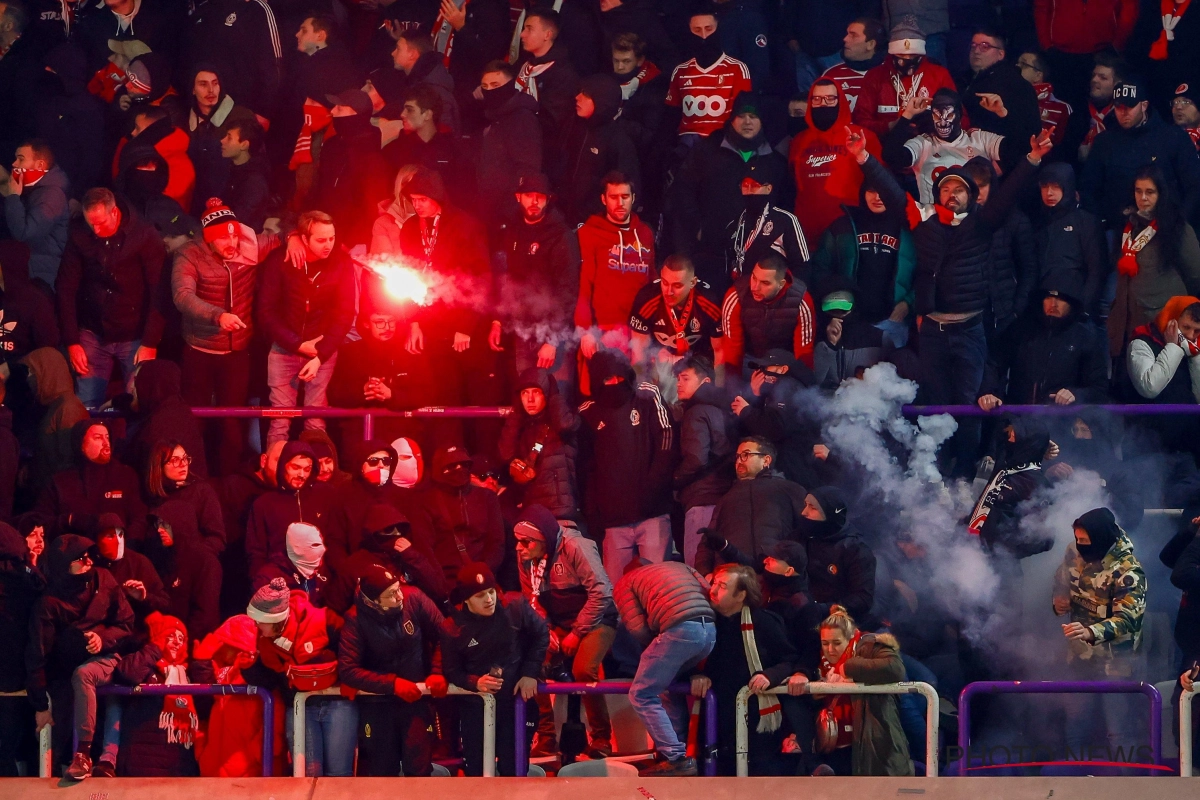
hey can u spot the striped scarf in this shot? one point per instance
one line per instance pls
(770, 715)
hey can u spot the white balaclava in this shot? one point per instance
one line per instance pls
(305, 547)
(408, 466)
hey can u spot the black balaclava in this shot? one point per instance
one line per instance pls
(1101, 527)
(906, 65)
(705, 51)
(604, 365)
(352, 126)
(755, 204)
(455, 475)
(494, 99)
(947, 115)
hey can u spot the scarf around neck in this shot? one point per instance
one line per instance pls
(1171, 14)
(770, 712)
(1131, 245)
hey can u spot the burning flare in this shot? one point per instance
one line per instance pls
(402, 283)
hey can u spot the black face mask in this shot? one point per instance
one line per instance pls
(706, 51)
(1096, 550)
(493, 99)
(755, 204)
(354, 125)
(613, 395)
(796, 125)
(814, 529)
(457, 476)
(824, 117)
(906, 66)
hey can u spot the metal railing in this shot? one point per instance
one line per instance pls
(742, 707)
(300, 733)
(1055, 410)
(1058, 687)
(614, 687)
(46, 756)
(1185, 733)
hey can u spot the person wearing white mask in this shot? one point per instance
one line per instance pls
(306, 551)
(410, 466)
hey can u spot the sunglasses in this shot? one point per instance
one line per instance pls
(375, 461)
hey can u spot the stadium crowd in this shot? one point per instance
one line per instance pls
(373, 205)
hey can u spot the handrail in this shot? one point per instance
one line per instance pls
(300, 733)
(1057, 687)
(742, 707)
(161, 689)
(613, 687)
(1055, 410)
(1185, 733)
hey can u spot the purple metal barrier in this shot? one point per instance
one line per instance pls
(1124, 409)
(161, 689)
(616, 687)
(1057, 687)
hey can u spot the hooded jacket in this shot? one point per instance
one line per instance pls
(515, 639)
(271, 513)
(826, 175)
(553, 433)
(707, 442)
(617, 262)
(467, 523)
(72, 606)
(241, 40)
(39, 217)
(542, 260)
(509, 147)
(164, 416)
(1156, 367)
(1069, 241)
(378, 646)
(77, 496)
(109, 286)
(880, 745)
(352, 177)
(295, 305)
(1016, 477)
(20, 586)
(133, 566)
(1023, 119)
(26, 312)
(170, 143)
(68, 116)
(654, 598)
(62, 410)
(593, 147)
(841, 566)
(573, 590)
(752, 516)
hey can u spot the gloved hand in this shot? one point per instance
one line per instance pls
(715, 541)
(437, 685)
(407, 691)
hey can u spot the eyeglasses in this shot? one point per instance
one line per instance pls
(525, 543)
(178, 461)
(375, 461)
(1181, 102)
(489, 476)
(745, 456)
(822, 100)
(983, 47)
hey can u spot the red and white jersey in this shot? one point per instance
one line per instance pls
(1054, 112)
(1193, 134)
(706, 95)
(848, 79)
(931, 155)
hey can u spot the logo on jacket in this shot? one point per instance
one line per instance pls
(117, 495)
(472, 643)
(833, 569)
(768, 228)
(308, 647)
(760, 40)
(600, 427)
(533, 248)
(5, 329)
(633, 257)
(634, 417)
(232, 18)
(409, 628)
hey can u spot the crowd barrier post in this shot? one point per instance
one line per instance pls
(1057, 687)
(615, 687)
(742, 707)
(162, 689)
(300, 732)
(1185, 733)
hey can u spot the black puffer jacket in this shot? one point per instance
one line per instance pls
(192, 576)
(707, 440)
(1069, 242)
(379, 646)
(554, 428)
(20, 585)
(752, 516)
(271, 513)
(1012, 267)
(514, 638)
(841, 566)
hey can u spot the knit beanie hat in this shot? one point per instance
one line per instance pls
(381, 517)
(537, 523)
(218, 220)
(426, 183)
(270, 602)
(375, 580)
(137, 78)
(473, 578)
(907, 38)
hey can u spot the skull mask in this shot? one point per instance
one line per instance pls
(947, 116)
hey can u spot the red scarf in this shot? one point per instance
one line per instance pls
(443, 35)
(1171, 14)
(1193, 134)
(178, 717)
(1097, 121)
(316, 119)
(1131, 245)
(840, 705)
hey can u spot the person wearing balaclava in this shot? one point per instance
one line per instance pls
(467, 524)
(509, 147)
(75, 629)
(706, 197)
(352, 175)
(306, 551)
(134, 572)
(825, 175)
(1068, 240)
(704, 86)
(841, 566)
(907, 78)
(1101, 587)
(765, 228)
(595, 143)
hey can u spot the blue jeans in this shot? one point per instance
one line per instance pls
(894, 333)
(330, 736)
(649, 539)
(953, 357)
(809, 68)
(283, 369)
(674, 650)
(101, 356)
(112, 731)
(743, 35)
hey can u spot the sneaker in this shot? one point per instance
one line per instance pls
(823, 771)
(544, 745)
(104, 769)
(680, 768)
(600, 748)
(81, 767)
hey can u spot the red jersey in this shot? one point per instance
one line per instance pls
(706, 95)
(848, 80)
(1054, 112)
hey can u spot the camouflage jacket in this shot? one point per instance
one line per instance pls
(1110, 599)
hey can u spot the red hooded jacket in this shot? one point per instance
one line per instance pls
(617, 262)
(1084, 26)
(826, 176)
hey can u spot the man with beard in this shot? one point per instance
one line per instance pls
(862, 49)
(705, 86)
(825, 175)
(906, 77)
(1184, 112)
(676, 316)
(995, 96)
(540, 284)
(1109, 70)
(75, 498)
(466, 520)
(296, 498)
(769, 309)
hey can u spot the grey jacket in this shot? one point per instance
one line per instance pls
(40, 217)
(575, 592)
(657, 597)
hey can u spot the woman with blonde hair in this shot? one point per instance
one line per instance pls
(385, 233)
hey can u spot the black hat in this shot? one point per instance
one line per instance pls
(473, 578)
(791, 553)
(1130, 92)
(1189, 91)
(534, 183)
(426, 183)
(356, 99)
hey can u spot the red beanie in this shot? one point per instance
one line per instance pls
(218, 220)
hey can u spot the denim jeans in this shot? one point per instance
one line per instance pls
(283, 369)
(330, 736)
(953, 358)
(694, 519)
(674, 650)
(112, 730)
(101, 356)
(649, 539)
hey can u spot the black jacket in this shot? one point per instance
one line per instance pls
(378, 646)
(1023, 119)
(194, 514)
(1069, 242)
(556, 90)
(164, 416)
(1182, 556)
(191, 575)
(1013, 266)
(331, 70)
(416, 565)
(841, 568)
(10, 457)
(541, 263)
(707, 442)
(293, 305)
(352, 177)
(20, 585)
(554, 485)
(271, 513)
(643, 18)
(514, 638)
(68, 116)
(248, 191)
(241, 40)
(510, 146)
(145, 750)
(27, 313)
(410, 377)
(752, 516)
(109, 286)
(133, 566)
(483, 37)
(591, 149)
(1042, 355)
(467, 526)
